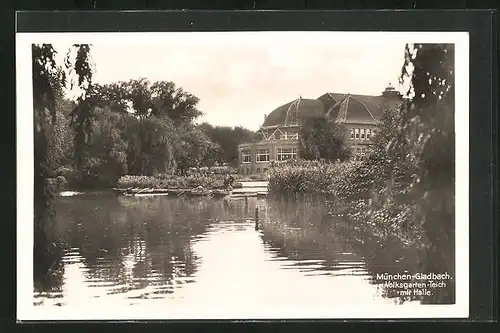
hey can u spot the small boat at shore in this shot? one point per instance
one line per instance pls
(147, 194)
(196, 192)
(122, 190)
(243, 195)
(139, 191)
(220, 193)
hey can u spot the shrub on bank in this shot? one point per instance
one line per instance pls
(357, 187)
(309, 177)
(171, 181)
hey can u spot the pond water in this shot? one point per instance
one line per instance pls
(206, 253)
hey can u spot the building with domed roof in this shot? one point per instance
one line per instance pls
(360, 114)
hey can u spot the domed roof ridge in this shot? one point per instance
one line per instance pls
(289, 110)
(366, 108)
(332, 108)
(338, 107)
(344, 104)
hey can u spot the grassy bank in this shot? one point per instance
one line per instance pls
(309, 177)
(173, 181)
(379, 205)
(66, 178)
(354, 194)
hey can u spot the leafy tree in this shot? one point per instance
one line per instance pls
(48, 82)
(411, 166)
(83, 113)
(160, 133)
(175, 103)
(429, 122)
(195, 149)
(320, 139)
(154, 110)
(143, 98)
(59, 136)
(106, 159)
(228, 139)
(45, 81)
(60, 143)
(213, 154)
(150, 145)
(387, 129)
(113, 96)
(384, 170)
(139, 94)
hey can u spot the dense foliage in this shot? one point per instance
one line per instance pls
(137, 128)
(163, 181)
(429, 123)
(227, 140)
(321, 139)
(296, 178)
(106, 155)
(49, 81)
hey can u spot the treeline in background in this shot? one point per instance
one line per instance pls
(135, 127)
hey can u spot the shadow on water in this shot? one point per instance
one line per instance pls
(310, 231)
(48, 268)
(144, 247)
(139, 246)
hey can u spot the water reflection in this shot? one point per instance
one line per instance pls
(320, 242)
(136, 249)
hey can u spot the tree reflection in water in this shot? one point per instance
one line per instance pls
(143, 247)
(48, 268)
(311, 231)
(128, 243)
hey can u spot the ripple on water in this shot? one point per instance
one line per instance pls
(207, 253)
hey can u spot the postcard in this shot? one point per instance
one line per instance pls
(242, 175)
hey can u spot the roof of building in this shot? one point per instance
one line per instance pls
(298, 109)
(342, 108)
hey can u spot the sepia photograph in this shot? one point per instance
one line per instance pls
(242, 175)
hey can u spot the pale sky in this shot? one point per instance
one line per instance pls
(240, 77)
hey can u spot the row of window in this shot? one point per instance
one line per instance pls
(362, 133)
(286, 154)
(263, 155)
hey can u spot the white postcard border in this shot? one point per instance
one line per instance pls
(27, 311)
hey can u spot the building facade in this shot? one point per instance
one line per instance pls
(359, 114)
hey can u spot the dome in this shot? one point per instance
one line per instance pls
(338, 107)
(294, 112)
(357, 109)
